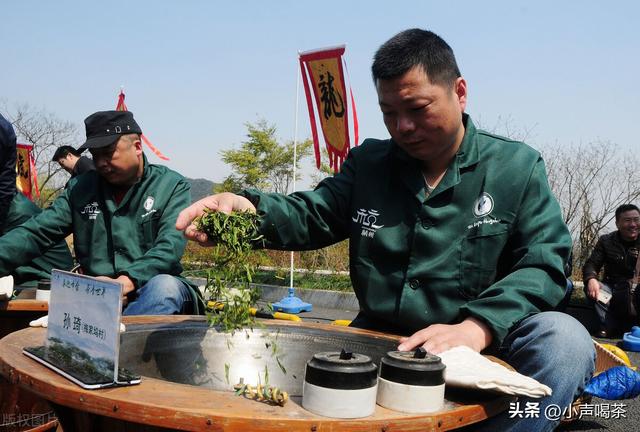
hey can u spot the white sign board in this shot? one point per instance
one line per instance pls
(83, 337)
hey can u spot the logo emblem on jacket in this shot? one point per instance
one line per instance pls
(483, 205)
(148, 206)
(148, 203)
(367, 219)
(92, 210)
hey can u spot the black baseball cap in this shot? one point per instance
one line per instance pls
(105, 127)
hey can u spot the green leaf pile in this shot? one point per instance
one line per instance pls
(228, 282)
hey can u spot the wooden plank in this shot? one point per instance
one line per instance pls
(182, 407)
(20, 305)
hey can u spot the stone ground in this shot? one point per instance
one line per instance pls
(329, 306)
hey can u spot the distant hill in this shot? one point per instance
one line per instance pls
(200, 188)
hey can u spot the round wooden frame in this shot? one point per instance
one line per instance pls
(160, 405)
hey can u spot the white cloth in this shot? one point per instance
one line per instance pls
(6, 287)
(467, 368)
(44, 322)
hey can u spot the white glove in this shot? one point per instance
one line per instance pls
(40, 322)
(44, 322)
(6, 287)
(467, 368)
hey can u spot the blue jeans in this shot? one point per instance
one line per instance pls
(554, 349)
(161, 295)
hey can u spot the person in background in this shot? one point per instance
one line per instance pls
(455, 236)
(15, 209)
(122, 218)
(617, 253)
(72, 161)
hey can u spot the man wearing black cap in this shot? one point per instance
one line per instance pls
(15, 209)
(122, 218)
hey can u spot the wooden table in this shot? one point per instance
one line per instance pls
(156, 404)
(23, 409)
(16, 314)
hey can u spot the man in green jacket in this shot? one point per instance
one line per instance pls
(122, 219)
(455, 236)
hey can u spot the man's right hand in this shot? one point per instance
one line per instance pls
(225, 202)
(593, 288)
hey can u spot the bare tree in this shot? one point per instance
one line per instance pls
(590, 182)
(46, 132)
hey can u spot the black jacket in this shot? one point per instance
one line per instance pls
(617, 256)
(83, 165)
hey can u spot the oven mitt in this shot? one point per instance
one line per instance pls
(44, 322)
(467, 368)
(6, 287)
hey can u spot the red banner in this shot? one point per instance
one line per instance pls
(27, 177)
(323, 76)
(121, 106)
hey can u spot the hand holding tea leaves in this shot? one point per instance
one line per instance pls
(236, 231)
(228, 282)
(224, 202)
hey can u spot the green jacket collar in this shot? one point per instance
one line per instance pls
(466, 157)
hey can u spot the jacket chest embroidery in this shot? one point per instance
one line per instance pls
(483, 205)
(91, 210)
(367, 220)
(148, 206)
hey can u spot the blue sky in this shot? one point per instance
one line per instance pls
(195, 71)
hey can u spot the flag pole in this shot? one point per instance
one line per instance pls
(291, 303)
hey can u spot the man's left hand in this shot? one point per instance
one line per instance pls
(438, 338)
(127, 285)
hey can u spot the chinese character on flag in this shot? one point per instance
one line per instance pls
(26, 171)
(121, 106)
(322, 75)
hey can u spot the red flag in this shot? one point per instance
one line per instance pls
(26, 171)
(322, 76)
(121, 106)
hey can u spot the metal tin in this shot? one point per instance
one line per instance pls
(340, 385)
(43, 292)
(411, 381)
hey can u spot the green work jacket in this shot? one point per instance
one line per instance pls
(488, 242)
(136, 238)
(57, 256)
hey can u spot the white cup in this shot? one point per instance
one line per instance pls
(43, 292)
(6, 287)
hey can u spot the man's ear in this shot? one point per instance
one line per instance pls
(138, 144)
(460, 89)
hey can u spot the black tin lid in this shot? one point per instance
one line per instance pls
(412, 367)
(341, 370)
(44, 284)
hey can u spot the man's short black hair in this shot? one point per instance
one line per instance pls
(625, 208)
(63, 151)
(416, 47)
